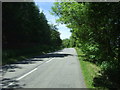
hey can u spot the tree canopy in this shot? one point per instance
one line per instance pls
(95, 29)
(24, 23)
(25, 31)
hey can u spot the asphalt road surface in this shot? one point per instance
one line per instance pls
(59, 69)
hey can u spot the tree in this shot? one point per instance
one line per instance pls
(55, 36)
(94, 27)
(23, 23)
(66, 43)
(26, 30)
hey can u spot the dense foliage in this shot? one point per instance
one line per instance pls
(24, 26)
(65, 43)
(95, 29)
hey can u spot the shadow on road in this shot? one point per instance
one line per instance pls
(53, 55)
(10, 68)
(16, 65)
(5, 83)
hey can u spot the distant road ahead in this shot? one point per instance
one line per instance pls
(60, 69)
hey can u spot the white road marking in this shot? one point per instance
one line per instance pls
(23, 76)
(49, 60)
(26, 74)
(10, 84)
(30, 71)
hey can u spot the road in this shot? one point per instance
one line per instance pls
(59, 69)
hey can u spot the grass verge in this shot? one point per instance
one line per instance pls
(89, 70)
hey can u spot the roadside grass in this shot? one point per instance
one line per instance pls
(13, 55)
(89, 70)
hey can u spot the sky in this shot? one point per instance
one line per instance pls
(46, 7)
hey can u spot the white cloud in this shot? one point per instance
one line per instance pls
(65, 32)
